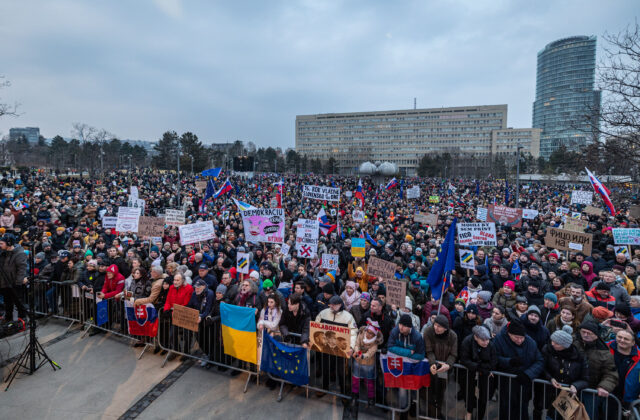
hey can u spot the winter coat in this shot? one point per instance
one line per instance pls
(113, 286)
(341, 318)
(568, 366)
(631, 387)
(411, 345)
(464, 326)
(617, 291)
(367, 351)
(589, 275)
(538, 332)
(531, 360)
(180, 296)
(430, 307)
(595, 300)
(358, 314)
(582, 309)
(153, 294)
(503, 300)
(298, 324)
(270, 319)
(493, 327)
(602, 368)
(443, 349)
(477, 358)
(485, 312)
(14, 267)
(385, 320)
(202, 302)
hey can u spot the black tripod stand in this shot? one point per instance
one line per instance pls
(33, 356)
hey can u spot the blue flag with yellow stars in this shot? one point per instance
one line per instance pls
(286, 362)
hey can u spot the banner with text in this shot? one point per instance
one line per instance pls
(507, 216)
(477, 234)
(307, 238)
(263, 225)
(196, 232)
(315, 192)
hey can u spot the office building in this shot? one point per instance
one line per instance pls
(566, 106)
(403, 137)
(32, 134)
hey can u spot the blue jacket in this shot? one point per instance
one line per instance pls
(202, 303)
(632, 380)
(530, 356)
(403, 345)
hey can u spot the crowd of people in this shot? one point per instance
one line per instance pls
(563, 316)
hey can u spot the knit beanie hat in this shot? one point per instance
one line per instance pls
(510, 284)
(551, 296)
(40, 256)
(624, 309)
(267, 284)
(472, 308)
(442, 321)
(485, 295)
(335, 300)
(601, 313)
(365, 296)
(515, 327)
(590, 325)
(405, 320)
(563, 337)
(475, 281)
(481, 332)
(328, 289)
(221, 289)
(574, 265)
(534, 308)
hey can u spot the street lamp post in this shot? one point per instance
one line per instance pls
(518, 176)
(191, 156)
(179, 181)
(129, 172)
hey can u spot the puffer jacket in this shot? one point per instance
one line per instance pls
(341, 318)
(411, 345)
(477, 358)
(503, 300)
(632, 380)
(568, 366)
(443, 349)
(113, 286)
(368, 350)
(602, 367)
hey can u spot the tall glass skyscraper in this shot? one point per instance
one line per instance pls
(564, 94)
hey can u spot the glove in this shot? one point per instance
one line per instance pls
(523, 378)
(515, 362)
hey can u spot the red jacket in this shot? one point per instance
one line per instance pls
(178, 296)
(114, 285)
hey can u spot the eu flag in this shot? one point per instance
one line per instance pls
(444, 264)
(286, 362)
(102, 312)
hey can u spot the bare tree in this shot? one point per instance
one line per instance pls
(82, 131)
(7, 109)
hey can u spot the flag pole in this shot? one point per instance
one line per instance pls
(444, 283)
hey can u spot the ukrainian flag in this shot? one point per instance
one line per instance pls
(239, 332)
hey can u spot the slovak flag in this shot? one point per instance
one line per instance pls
(359, 194)
(325, 227)
(142, 319)
(280, 185)
(391, 184)
(602, 191)
(226, 187)
(404, 372)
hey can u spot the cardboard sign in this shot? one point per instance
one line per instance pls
(626, 236)
(242, 262)
(529, 214)
(263, 225)
(507, 216)
(201, 186)
(396, 292)
(481, 214)
(581, 197)
(434, 199)
(634, 212)
(426, 219)
(315, 192)
(330, 261)
(196, 232)
(476, 234)
(185, 317)
(566, 240)
(174, 217)
(109, 222)
(307, 238)
(413, 192)
(576, 225)
(330, 339)
(466, 259)
(593, 211)
(128, 218)
(150, 226)
(380, 268)
(358, 216)
(357, 247)
(349, 194)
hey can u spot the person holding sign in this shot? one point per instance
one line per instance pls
(179, 294)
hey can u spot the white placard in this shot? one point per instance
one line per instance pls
(8, 191)
(349, 194)
(529, 213)
(621, 249)
(476, 234)
(358, 216)
(581, 197)
(242, 262)
(330, 261)
(174, 217)
(316, 192)
(134, 192)
(128, 218)
(413, 192)
(109, 222)
(196, 232)
(561, 211)
(136, 203)
(285, 249)
(481, 214)
(575, 215)
(577, 247)
(466, 259)
(307, 238)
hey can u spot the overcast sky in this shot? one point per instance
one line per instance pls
(229, 70)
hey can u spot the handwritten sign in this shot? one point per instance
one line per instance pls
(150, 226)
(476, 234)
(109, 222)
(626, 236)
(396, 292)
(380, 268)
(566, 240)
(581, 197)
(174, 217)
(307, 238)
(315, 192)
(529, 214)
(358, 216)
(128, 218)
(429, 219)
(185, 317)
(330, 261)
(196, 232)
(576, 225)
(201, 186)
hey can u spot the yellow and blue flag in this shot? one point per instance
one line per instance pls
(239, 332)
(286, 362)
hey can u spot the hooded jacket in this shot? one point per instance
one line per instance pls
(112, 286)
(442, 348)
(589, 275)
(631, 387)
(538, 332)
(367, 351)
(180, 296)
(410, 345)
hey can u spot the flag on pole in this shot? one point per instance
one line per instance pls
(360, 194)
(515, 269)
(404, 372)
(242, 205)
(208, 193)
(214, 172)
(602, 191)
(391, 184)
(280, 186)
(325, 227)
(226, 187)
(506, 192)
(401, 193)
(239, 332)
(444, 264)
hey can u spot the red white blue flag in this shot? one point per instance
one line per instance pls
(405, 373)
(141, 319)
(391, 184)
(602, 191)
(226, 187)
(360, 194)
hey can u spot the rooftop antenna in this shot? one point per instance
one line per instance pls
(414, 103)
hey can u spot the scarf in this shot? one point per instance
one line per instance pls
(369, 341)
(350, 300)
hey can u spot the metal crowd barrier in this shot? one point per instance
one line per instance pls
(635, 409)
(61, 300)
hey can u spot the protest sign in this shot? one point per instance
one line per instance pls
(594, 211)
(621, 249)
(413, 192)
(466, 259)
(357, 247)
(242, 262)
(196, 232)
(330, 339)
(566, 240)
(435, 199)
(109, 222)
(273, 203)
(476, 234)
(561, 211)
(507, 216)
(201, 186)
(150, 226)
(575, 225)
(380, 268)
(426, 218)
(581, 197)
(174, 217)
(330, 261)
(575, 215)
(481, 214)
(315, 192)
(127, 220)
(307, 238)
(263, 225)
(185, 317)
(529, 213)
(349, 194)
(634, 211)
(396, 292)
(8, 191)
(358, 216)
(626, 236)
(136, 203)
(285, 249)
